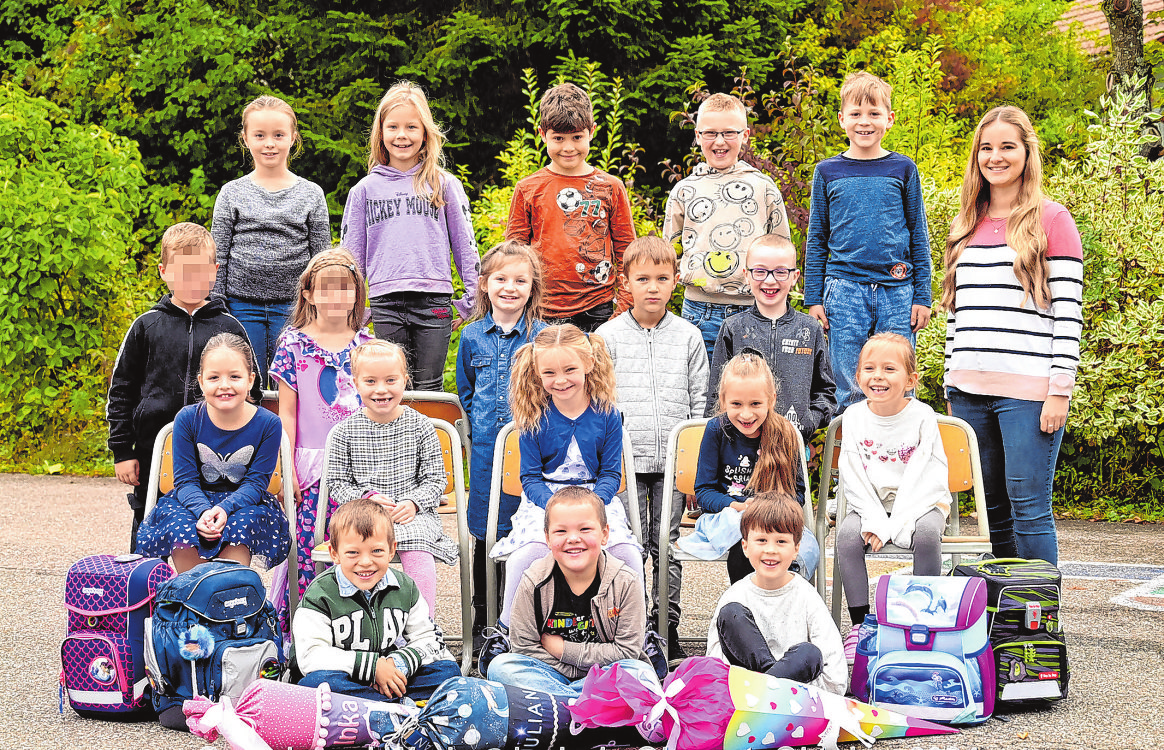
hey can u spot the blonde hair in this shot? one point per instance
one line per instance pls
(498, 256)
(304, 312)
(576, 496)
(775, 242)
(266, 101)
(649, 249)
(861, 87)
(186, 238)
(428, 181)
(722, 103)
(1024, 229)
(529, 400)
(378, 348)
(894, 342)
(777, 459)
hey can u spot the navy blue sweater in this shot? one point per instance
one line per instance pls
(726, 460)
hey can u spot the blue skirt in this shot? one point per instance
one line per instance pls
(261, 528)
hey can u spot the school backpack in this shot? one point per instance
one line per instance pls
(1025, 630)
(927, 655)
(109, 600)
(213, 632)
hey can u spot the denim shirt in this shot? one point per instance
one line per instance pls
(484, 362)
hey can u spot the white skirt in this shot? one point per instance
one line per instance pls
(529, 525)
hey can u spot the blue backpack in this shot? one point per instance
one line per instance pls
(213, 632)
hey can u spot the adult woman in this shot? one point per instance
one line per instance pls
(1013, 290)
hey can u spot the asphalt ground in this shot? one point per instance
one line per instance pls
(48, 522)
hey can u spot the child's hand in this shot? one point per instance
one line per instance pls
(555, 645)
(404, 511)
(817, 311)
(740, 505)
(919, 317)
(389, 680)
(211, 523)
(296, 489)
(383, 500)
(127, 471)
(873, 541)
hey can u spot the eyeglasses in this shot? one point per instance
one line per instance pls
(727, 135)
(762, 274)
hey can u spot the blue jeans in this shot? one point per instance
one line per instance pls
(422, 324)
(534, 674)
(420, 685)
(856, 312)
(263, 322)
(587, 320)
(1018, 469)
(708, 317)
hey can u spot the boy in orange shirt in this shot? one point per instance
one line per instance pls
(576, 217)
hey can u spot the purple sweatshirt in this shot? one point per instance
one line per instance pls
(401, 242)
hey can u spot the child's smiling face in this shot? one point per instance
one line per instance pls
(404, 136)
(568, 151)
(884, 377)
(865, 124)
(731, 129)
(746, 404)
(563, 375)
(380, 381)
(576, 536)
(225, 379)
(770, 553)
(363, 561)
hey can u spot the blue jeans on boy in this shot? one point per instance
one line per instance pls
(856, 312)
(422, 324)
(534, 674)
(708, 317)
(420, 685)
(1018, 470)
(263, 322)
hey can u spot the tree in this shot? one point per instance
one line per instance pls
(1130, 72)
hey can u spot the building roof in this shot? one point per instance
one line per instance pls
(1090, 19)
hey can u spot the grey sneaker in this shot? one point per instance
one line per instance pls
(496, 642)
(653, 646)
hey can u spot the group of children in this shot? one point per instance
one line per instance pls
(548, 351)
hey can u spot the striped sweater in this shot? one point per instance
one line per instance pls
(998, 345)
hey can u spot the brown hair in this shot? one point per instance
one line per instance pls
(723, 103)
(428, 182)
(304, 312)
(773, 513)
(528, 399)
(498, 256)
(565, 108)
(778, 458)
(894, 341)
(236, 344)
(575, 495)
(1024, 228)
(378, 348)
(649, 249)
(266, 101)
(861, 87)
(186, 238)
(363, 516)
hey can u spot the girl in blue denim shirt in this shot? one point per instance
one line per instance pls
(509, 303)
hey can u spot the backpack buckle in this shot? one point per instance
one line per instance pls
(240, 627)
(919, 635)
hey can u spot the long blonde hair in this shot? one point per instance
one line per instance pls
(428, 181)
(498, 256)
(777, 460)
(1024, 228)
(266, 101)
(529, 400)
(304, 312)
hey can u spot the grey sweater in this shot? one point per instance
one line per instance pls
(265, 238)
(661, 374)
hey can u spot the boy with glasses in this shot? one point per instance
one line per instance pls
(715, 212)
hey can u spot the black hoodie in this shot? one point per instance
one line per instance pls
(156, 372)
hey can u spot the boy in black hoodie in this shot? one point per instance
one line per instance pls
(157, 366)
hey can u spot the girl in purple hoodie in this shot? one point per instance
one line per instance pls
(400, 223)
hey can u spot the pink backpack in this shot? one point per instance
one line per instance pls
(102, 657)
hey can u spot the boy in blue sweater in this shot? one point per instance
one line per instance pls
(867, 259)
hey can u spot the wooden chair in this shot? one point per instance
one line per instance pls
(161, 481)
(961, 447)
(446, 406)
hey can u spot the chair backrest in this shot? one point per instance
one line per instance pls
(449, 411)
(447, 457)
(511, 466)
(166, 470)
(687, 457)
(955, 443)
(270, 401)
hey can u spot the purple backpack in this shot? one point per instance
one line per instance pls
(102, 657)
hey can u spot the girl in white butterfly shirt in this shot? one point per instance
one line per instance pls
(225, 449)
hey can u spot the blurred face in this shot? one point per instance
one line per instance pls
(564, 377)
(225, 379)
(576, 538)
(269, 136)
(885, 378)
(1002, 156)
(363, 561)
(650, 285)
(190, 277)
(333, 295)
(865, 125)
(568, 150)
(746, 404)
(508, 288)
(770, 554)
(404, 135)
(380, 382)
(772, 274)
(721, 136)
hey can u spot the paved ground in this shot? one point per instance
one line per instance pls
(1118, 668)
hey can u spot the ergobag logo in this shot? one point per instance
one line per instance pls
(235, 602)
(92, 591)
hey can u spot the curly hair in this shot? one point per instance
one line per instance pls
(529, 400)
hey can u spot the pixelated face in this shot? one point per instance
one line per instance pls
(865, 124)
(190, 276)
(508, 288)
(771, 293)
(730, 130)
(225, 379)
(576, 537)
(1002, 155)
(563, 375)
(380, 381)
(269, 137)
(746, 404)
(568, 151)
(885, 379)
(404, 136)
(333, 295)
(650, 285)
(770, 554)
(363, 561)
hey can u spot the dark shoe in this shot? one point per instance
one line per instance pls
(478, 639)
(653, 646)
(496, 642)
(675, 651)
(173, 718)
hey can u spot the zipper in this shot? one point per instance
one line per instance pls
(189, 361)
(651, 360)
